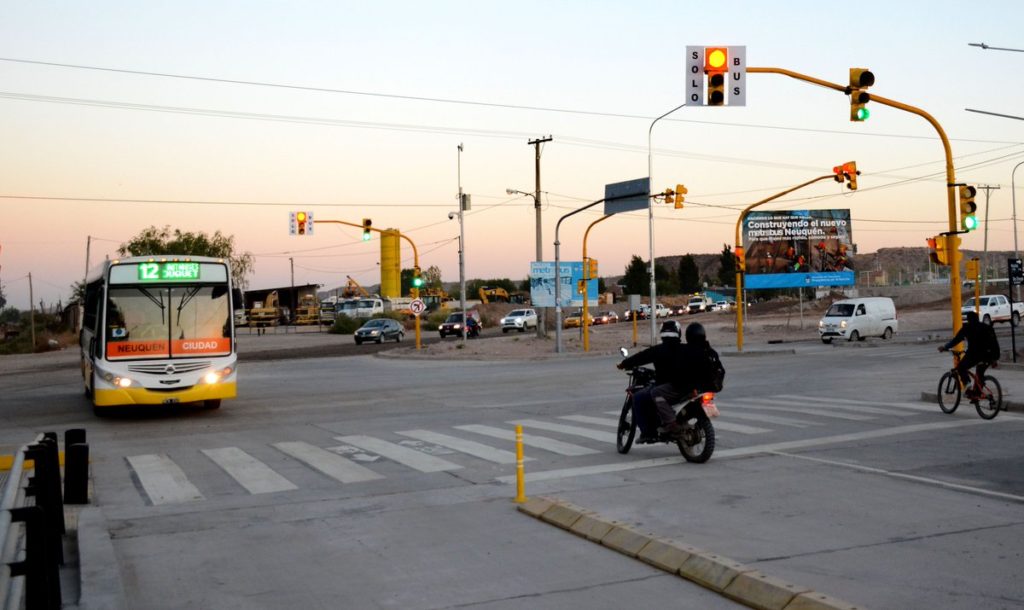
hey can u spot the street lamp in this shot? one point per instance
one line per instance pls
(542, 324)
(463, 201)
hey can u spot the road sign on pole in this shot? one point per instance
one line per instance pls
(417, 307)
(694, 76)
(736, 75)
(626, 196)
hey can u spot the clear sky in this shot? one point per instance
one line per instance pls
(102, 153)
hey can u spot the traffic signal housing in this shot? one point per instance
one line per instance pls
(860, 80)
(417, 278)
(847, 172)
(669, 196)
(741, 260)
(716, 65)
(937, 249)
(591, 268)
(366, 229)
(581, 287)
(680, 192)
(968, 209)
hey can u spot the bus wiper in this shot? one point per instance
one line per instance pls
(158, 302)
(186, 298)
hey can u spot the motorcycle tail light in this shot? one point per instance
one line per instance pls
(707, 397)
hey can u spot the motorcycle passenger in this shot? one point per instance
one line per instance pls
(982, 349)
(672, 380)
(705, 367)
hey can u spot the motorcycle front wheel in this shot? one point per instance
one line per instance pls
(698, 440)
(627, 427)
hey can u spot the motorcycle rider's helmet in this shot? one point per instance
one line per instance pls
(695, 333)
(971, 316)
(671, 330)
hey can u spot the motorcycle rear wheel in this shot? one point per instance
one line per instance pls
(627, 427)
(698, 441)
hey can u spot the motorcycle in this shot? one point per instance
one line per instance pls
(697, 441)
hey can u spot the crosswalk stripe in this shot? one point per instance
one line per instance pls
(597, 435)
(828, 403)
(740, 428)
(530, 440)
(416, 460)
(768, 419)
(589, 419)
(756, 405)
(330, 464)
(252, 474)
(484, 452)
(883, 405)
(162, 480)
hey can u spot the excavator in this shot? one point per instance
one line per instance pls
(267, 313)
(352, 289)
(493, 294)
(435, 298)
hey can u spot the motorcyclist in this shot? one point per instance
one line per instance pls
(672, 381)
(982, 349)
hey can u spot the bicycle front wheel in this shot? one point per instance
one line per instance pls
(949, 392)
(991, 398)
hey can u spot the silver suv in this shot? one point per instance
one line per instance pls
(519, 319)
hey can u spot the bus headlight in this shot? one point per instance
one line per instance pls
(214, 376)
(123, 382)
(112, 379)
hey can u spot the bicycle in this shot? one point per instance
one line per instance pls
(988, 399)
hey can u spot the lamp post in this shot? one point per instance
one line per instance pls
(650, 219)
(542, 311)
(1013, 194)
(462, 251)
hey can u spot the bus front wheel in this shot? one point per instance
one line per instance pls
(211, 404)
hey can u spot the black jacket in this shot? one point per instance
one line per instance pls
(981, 340)
(685, 366)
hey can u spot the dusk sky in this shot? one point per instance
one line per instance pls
(352, 110)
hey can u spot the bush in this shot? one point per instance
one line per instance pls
(435, 319)
(344, 325)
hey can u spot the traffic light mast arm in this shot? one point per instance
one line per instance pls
(739, 271)
(954, 275)
(586, 276)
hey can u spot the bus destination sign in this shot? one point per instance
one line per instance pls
(168, 272)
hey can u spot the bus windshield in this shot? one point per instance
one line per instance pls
(167, 322)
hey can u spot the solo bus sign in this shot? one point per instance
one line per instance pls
(798, 248)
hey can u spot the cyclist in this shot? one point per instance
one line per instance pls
(982, 349)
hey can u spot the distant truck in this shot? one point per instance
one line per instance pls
(699, 303)
(994, 308)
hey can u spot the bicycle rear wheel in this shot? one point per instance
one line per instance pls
(949, 392)
(991, 399)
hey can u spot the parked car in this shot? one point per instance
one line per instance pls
(575, 319)
(519, 319)
(380, 330)
(994, 308)
(606, 317)
(662, 311)
(453, 325)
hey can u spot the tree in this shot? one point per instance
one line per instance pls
(432, 277)
(637, 279)
(665, 282)
(154, 241)
(601, 287)
(3, 299)
(727, 274)
(689, 276)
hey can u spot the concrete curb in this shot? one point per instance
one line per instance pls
(99, 573)
(732, 579)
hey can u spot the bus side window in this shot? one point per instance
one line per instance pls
(91, 313)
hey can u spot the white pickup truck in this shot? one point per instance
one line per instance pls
(995, 308)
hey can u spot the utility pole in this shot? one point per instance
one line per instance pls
(984, 256)
(542, 325)
(31, 315)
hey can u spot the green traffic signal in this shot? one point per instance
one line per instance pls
(863, 114)
(417, 282)
(366, 236)
(970, 222)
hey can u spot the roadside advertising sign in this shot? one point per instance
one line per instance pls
(796, 248)
(542, 284)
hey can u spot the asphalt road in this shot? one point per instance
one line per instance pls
(377, 482)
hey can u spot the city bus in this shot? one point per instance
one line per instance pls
(158, 330)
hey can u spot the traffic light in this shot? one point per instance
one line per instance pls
(680, 191)
(741, 261)
(581, 287)
(716, 65)
(847, 172)
(592, 268)
(300, 222)
(669, 196)
(417, 279)
(860, 80)
(968, 219)
(937, 249)
(366, 229)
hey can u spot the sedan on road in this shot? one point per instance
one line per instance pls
(379, 330)
(606, 317)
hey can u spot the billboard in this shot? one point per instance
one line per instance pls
(798, 248)
(542, 284)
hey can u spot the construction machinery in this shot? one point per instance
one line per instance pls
(353, 289)
(266, 313)
(435, 298)
(307, 311)
(493, 294)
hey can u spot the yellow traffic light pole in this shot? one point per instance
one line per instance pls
(740, 266)
(586, 280)
(415, 256)
(954, 275)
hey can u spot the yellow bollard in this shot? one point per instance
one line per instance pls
(520, 477)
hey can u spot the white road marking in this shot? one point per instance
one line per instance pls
(740, 428)
(484, 452)
(597, 435)
(865, 406)
(913, 406)
(590, 419)
(252, 474)
(162, 480)
(530, 440)
(330, 464)
(564, 473)
(768, 419)
(756, 404)
(416, 460)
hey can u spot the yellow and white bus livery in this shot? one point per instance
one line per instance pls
(159, 331)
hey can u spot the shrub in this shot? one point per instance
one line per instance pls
(344, 325)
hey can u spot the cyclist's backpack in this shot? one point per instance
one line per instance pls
(992, 350)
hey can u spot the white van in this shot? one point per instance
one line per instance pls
(855, 319)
